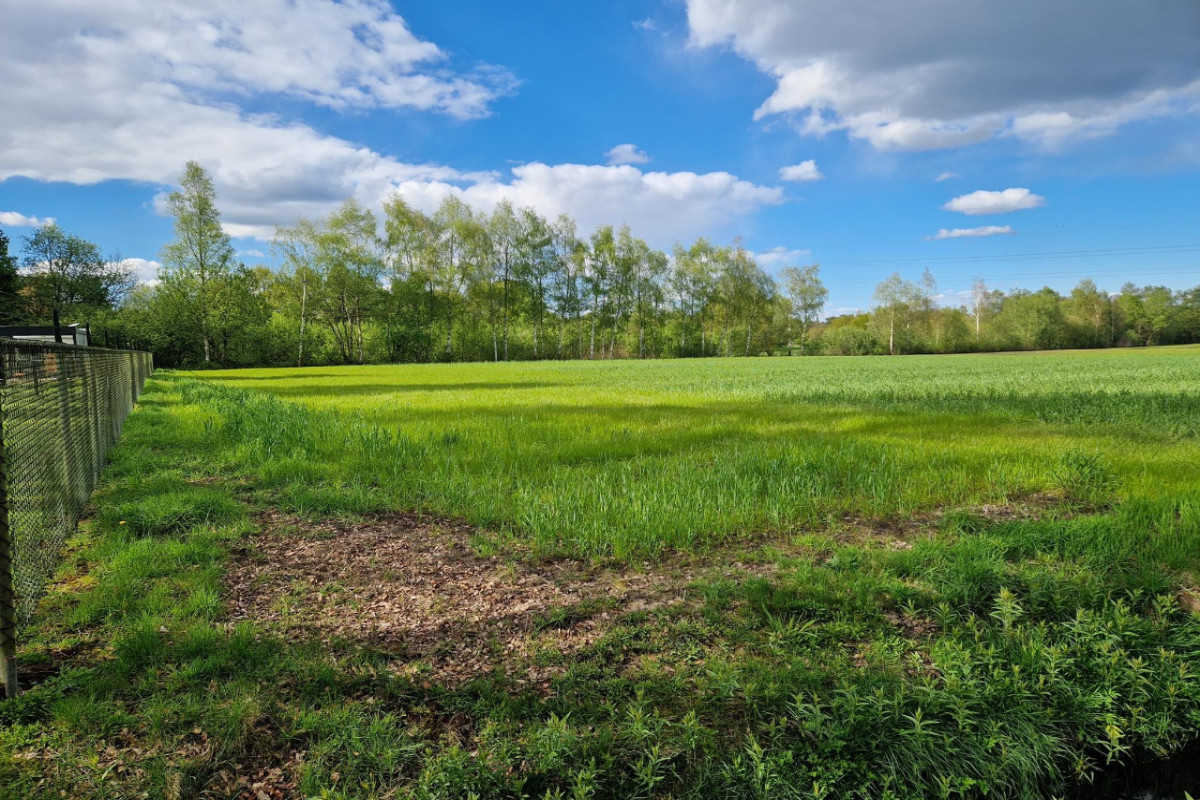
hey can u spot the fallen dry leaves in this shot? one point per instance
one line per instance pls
(411, 586)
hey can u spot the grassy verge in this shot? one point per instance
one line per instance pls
(973, 653)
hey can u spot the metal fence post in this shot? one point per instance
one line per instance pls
(8, 600)
(133, 387)
(61, 372)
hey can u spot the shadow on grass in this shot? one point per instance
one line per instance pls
(304, 392)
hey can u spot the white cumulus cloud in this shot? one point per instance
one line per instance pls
(972, 233)
(348, 54)
(802, 172)
(626, 154)
(660, 206)
(930, 74)
(18, 220)
(143, 270)
(123, 90)
(1003, 202)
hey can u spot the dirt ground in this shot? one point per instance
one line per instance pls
(413, 587)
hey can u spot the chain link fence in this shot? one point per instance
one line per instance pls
(61, 409)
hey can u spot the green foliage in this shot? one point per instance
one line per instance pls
(931, 585)
(67, 275)
(203, 294)
(11, 310)
(463, 285)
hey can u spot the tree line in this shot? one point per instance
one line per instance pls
(462, 285)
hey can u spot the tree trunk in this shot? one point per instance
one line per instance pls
(431, 295)
(506, 309)
(592, 346)
(303, 309)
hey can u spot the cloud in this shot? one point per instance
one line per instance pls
(661, 206)
(144, 272)
(781, 257)
(934, 74)
(802, 172)
(125, 91)
(626, 154)
(349, 54)
(983, 202)
(945, 176)
(252, 253)
(18, 220)
(961, 233)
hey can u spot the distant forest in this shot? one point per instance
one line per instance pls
(461, 285)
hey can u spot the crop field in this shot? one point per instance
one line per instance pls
(970, 576)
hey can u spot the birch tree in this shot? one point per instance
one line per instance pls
(504, 231)
(458, 232)
(893, 296)
(349, 261)
(198, 262)
(296, 248)
(410, 244)
(808, 295)
(599, 272)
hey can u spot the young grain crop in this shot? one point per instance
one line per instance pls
(632, 458)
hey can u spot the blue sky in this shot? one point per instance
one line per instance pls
(1069, 132)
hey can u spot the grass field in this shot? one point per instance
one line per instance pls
(944, 576)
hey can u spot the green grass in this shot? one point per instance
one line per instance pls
(969, 581)
(629, 458)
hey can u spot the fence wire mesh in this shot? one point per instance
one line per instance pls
(61, 408)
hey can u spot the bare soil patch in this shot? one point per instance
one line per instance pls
(412, 586)
(899, 533)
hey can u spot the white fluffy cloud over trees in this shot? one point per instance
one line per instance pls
(130, 91)
(16, 219)
(662, 205)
